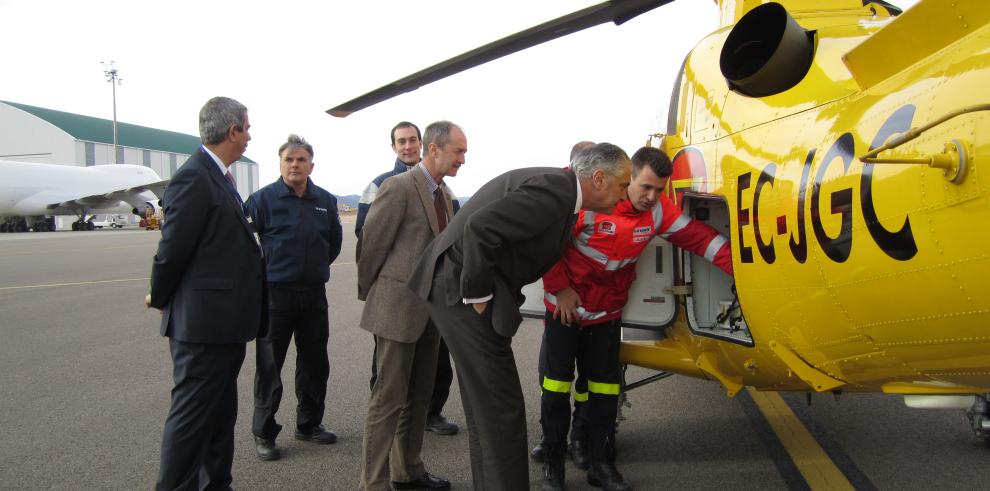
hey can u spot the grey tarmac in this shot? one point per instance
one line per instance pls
(85, 380)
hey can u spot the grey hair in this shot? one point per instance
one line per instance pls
(218, 115)
(293, 142)
(603, 156)
(438, 133)
(580, 147)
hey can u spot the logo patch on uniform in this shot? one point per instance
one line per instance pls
(324, 210)
(643, 230)
(606, 228)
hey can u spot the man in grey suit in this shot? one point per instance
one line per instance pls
(507, 235)
(207, 278)
(410, 210)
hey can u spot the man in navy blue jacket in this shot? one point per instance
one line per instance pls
(406, 143)
(300, 233)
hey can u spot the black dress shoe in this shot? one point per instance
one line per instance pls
(266, 448)
(316, 434)
(426, 481)
(604, 475)
(440, 425)
(537, 453)
(579, 454)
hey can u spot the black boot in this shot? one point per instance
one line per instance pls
(604, 475)
(553, 471)
(602, 472)
(537, 452)
(579, 454)
(266, 448)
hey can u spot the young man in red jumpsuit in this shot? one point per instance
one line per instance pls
(585, 293)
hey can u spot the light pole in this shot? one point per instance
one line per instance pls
(115, 80)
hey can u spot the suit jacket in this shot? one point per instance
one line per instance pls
(208, 273)
(506, 236)
(399, 226)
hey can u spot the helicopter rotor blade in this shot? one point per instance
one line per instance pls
(617, 11)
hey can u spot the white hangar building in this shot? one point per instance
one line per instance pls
(37, 134)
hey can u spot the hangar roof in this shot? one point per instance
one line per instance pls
(100, 130)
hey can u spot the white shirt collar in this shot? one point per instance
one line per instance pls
(580, 197)
(220, 164)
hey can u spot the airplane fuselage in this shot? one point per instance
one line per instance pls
(30, 189)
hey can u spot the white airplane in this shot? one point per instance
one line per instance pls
(31, 193)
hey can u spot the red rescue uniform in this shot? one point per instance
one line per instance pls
(600, 266)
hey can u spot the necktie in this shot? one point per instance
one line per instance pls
(233, 187)
(441, 205)
(230, 180)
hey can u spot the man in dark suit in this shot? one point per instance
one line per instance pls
(208, 280)
(507, 235)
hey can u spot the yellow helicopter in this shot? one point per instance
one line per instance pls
(838, 144)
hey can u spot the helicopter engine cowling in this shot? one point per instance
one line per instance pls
(767, 52)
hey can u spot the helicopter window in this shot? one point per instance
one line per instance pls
(675, 96)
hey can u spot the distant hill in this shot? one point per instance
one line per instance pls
(352, 200)
(349, 200)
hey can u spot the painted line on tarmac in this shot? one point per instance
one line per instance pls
(53, 285)
(853, 473)
(785, 465)
(63, 251)
(815, 466)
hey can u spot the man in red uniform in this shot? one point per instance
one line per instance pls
(585, 293)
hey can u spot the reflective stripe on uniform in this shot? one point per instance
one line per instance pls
(556, 385)
(714, 246)
(583, 313)
(581, 396)
(657, 215)
(586, 231)
(580, 242)
(602, 388)
(600, 257)
(589, 218)
(678, 225)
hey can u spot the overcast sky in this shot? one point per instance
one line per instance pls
(290, 61)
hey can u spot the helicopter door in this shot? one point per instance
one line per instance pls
(533, 306)
(651, 302)
(651, 306)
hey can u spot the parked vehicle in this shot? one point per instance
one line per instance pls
(108, 221)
